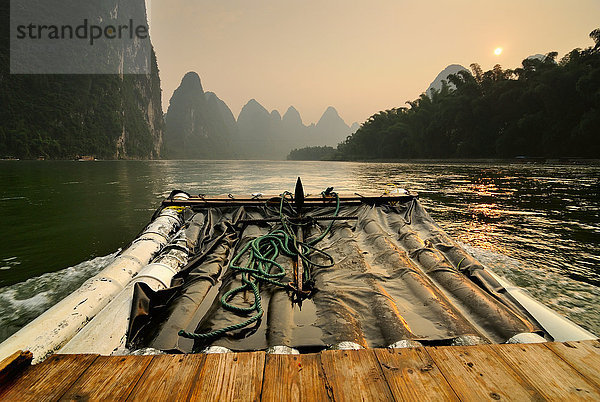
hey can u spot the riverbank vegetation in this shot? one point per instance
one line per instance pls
(52, 116)
(312, 154)
(545, 108)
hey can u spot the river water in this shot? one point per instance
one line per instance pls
(63, 221)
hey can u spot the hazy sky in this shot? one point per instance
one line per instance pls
(358, 56)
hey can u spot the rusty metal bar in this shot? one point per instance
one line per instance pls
(199, 202)
(298, 220)
(299, 264)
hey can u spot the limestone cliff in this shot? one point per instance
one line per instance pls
(199, 125)
(64, 116)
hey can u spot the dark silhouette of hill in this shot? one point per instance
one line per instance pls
(443, 76)
(62, 116)
(264, 135)
(198, 125)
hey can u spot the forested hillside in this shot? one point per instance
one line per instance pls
(65, 116)
(312, 154)
(545, 108)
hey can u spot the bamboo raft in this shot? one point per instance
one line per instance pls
(468, 334)
(543, 371)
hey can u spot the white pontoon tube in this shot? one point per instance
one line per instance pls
(106, 333)
(557, 326)
(55, 327)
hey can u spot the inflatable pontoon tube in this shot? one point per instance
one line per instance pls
(50, 331)
(106, 333)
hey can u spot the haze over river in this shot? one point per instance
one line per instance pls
(63, 221)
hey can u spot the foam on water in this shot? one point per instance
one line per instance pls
(578, 301)
(25, 301)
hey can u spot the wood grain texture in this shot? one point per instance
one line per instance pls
(294, 378)
(553, 371)
(479, 374)
(49, 380)
(582, 356)
(412, 375)
(548, 373)
(355, 375)
(12, 366)
(108, 378)
(168, 378)
(230, 377)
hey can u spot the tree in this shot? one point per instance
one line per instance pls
(595, 35)
(542, 108)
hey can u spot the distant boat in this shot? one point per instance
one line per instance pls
(86, 158)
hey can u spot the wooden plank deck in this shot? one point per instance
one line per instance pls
(549, 371)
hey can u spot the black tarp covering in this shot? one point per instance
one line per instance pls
(397, 276)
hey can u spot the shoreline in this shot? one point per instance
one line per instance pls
(523, 161)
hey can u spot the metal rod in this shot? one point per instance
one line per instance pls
(292, 220)
(198, 202)
(299, 265)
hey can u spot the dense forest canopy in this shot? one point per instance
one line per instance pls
(312, 153)
(545, 108)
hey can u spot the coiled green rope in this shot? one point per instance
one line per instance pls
(262, 267)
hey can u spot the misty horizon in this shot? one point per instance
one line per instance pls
(282, 112)
(356, 57)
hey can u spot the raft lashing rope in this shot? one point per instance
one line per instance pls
(262, 267)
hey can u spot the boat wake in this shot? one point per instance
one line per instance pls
(576, 300)
(23, 302)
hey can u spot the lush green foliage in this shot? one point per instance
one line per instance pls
(62, 116)
(312, 154)
(543, 109)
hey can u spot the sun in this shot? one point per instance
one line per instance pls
(498, 51)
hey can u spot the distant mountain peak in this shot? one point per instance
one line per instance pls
(443, 75)
(331, 128)
(456, 67)
(537, 56)
(331, 110)
(330, 115)
(275, 114)
(198, 123)
(210, 95)
(292, 116)
(192, 81)
(253, 105)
